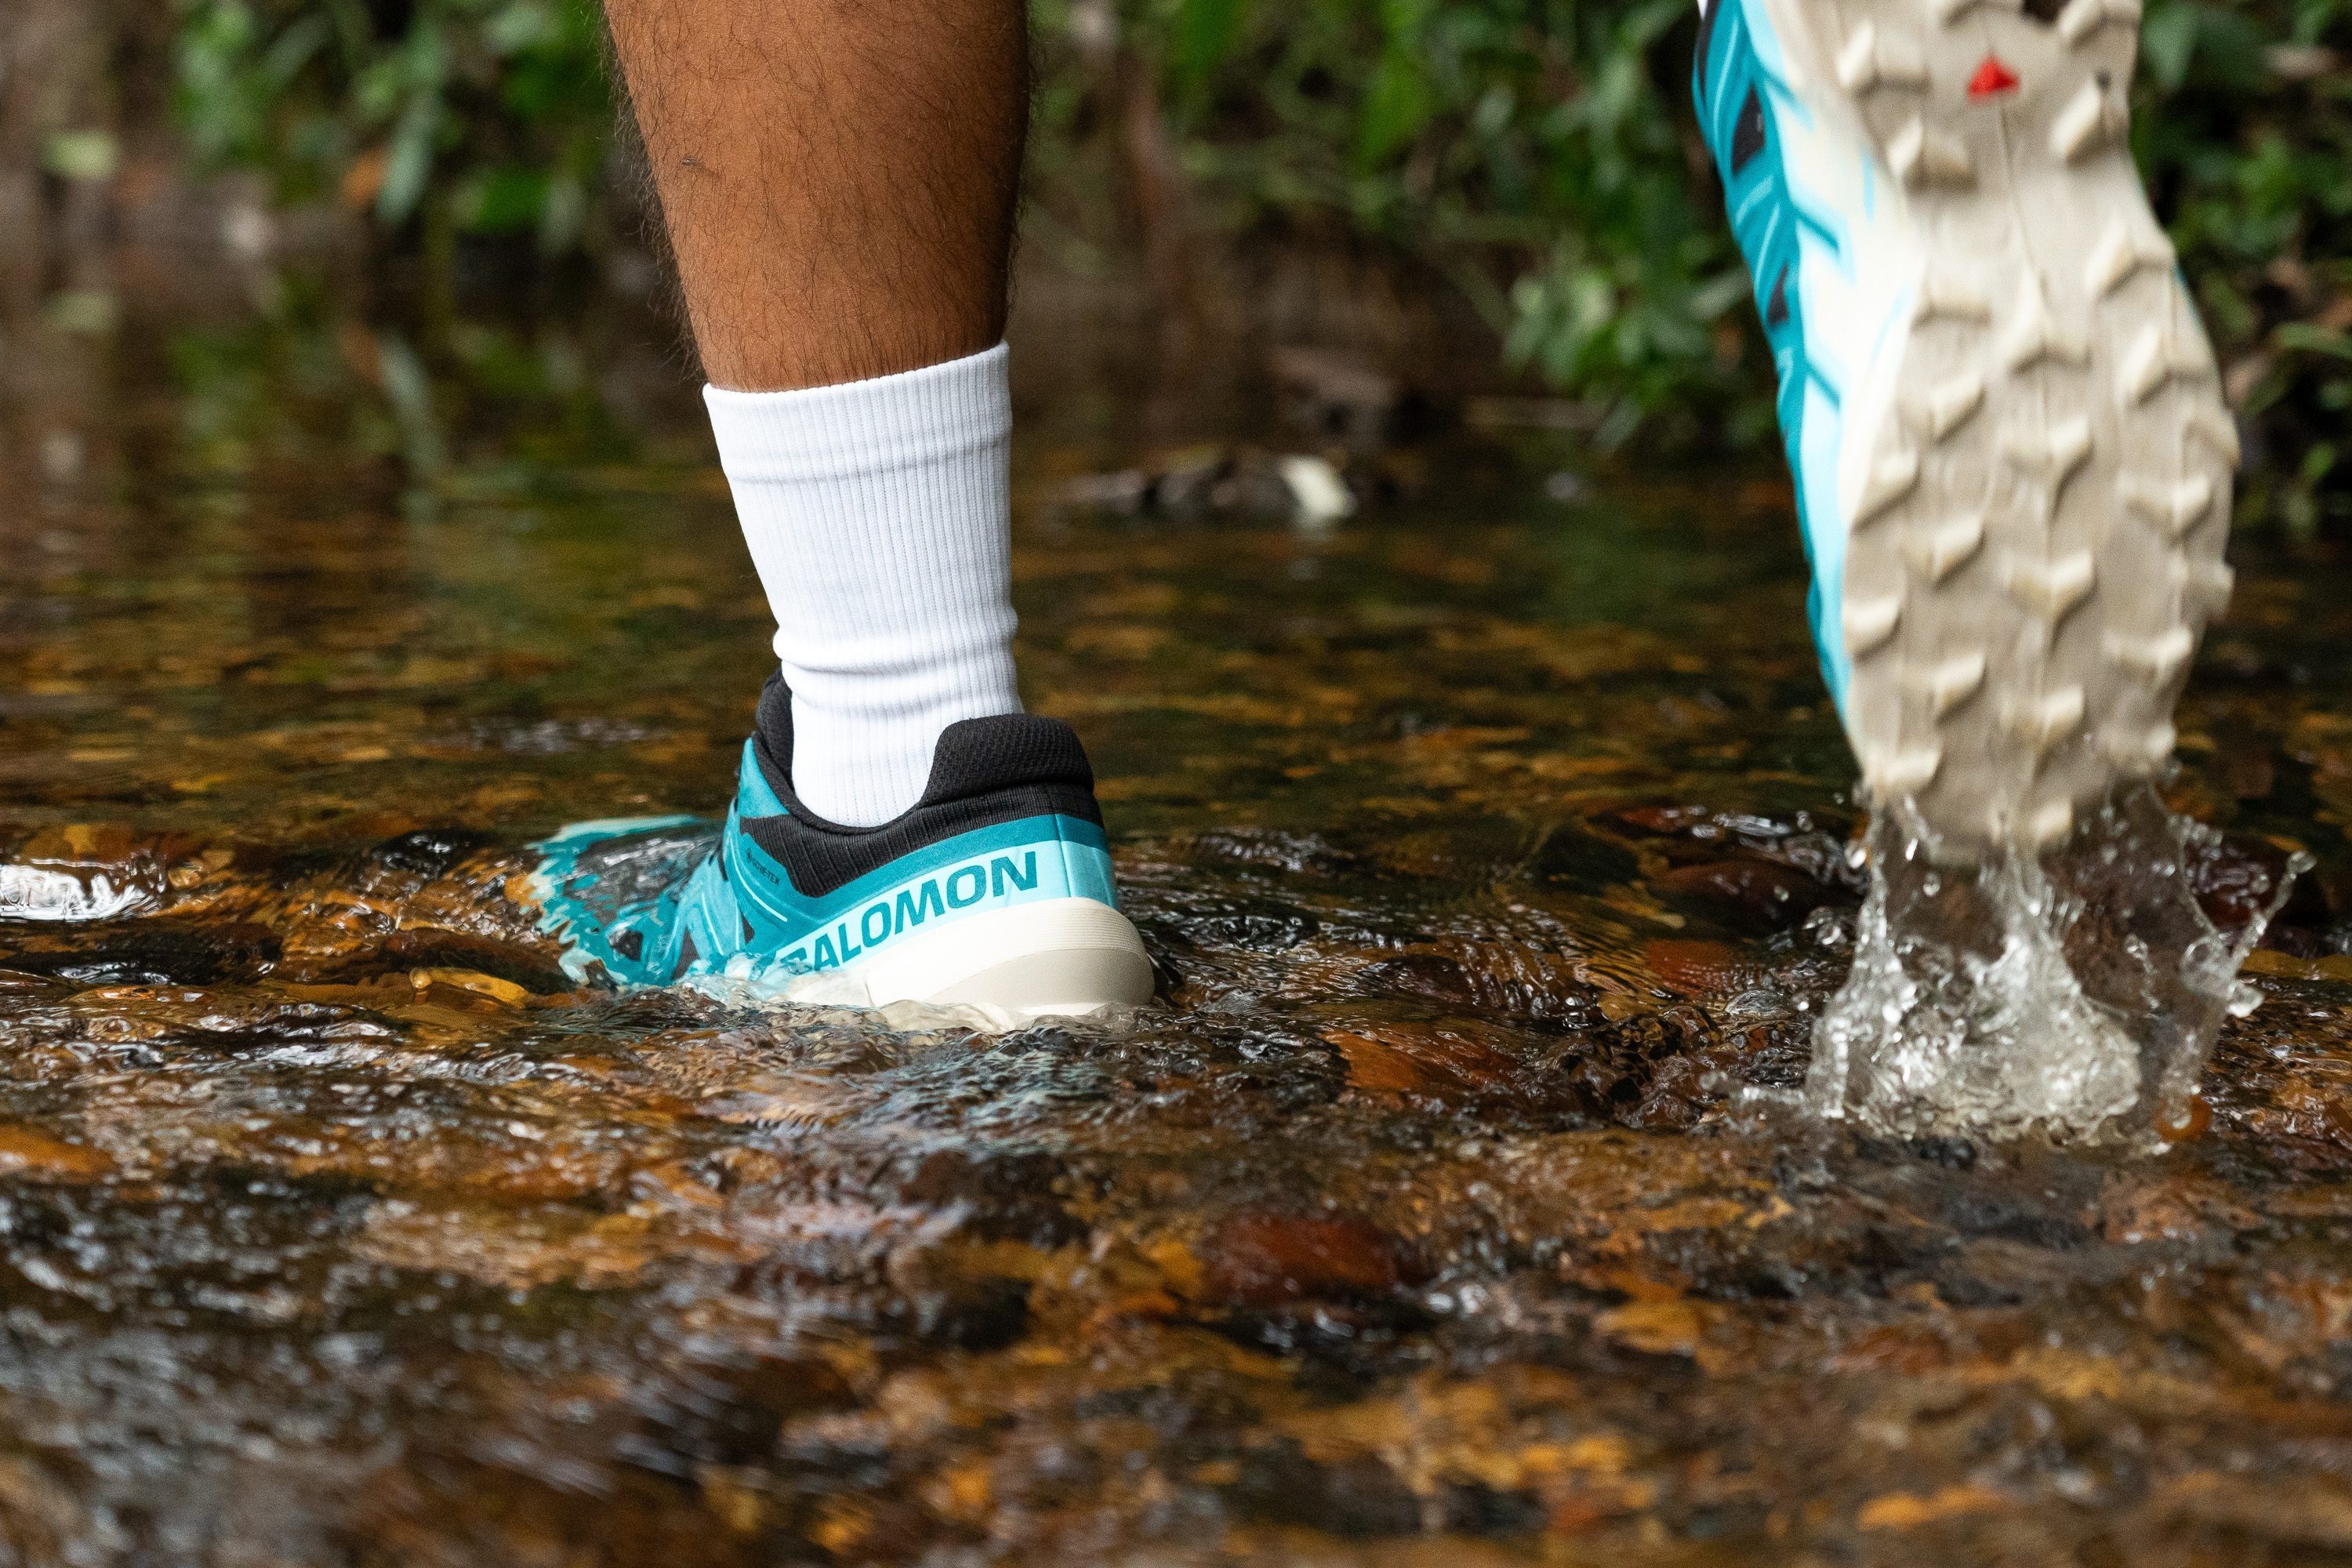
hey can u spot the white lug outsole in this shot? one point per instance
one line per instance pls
(2038, 530)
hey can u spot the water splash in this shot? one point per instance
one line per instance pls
(2074, 997)
(33, 893)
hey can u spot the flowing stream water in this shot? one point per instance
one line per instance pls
(2074, 997)
(1493, 853)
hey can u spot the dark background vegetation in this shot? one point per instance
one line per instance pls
(1533, 160)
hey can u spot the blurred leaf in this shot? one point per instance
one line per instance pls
(506, 201)
(1204, 35)
(563, 214)
(2314, 339)
(87, 313)
(408, 160)
(82, 155)
(516, 27)
(293, 48)
(2169, 41)
(1395, 108)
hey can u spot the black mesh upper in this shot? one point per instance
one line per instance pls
(985, 771)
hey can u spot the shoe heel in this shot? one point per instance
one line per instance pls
(1058, 957)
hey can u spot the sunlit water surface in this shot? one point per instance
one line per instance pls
(1494, 855)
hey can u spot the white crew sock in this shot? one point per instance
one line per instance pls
(878, 515)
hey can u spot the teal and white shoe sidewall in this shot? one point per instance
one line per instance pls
(1817, 200)
(882, 922)
(1019, 916)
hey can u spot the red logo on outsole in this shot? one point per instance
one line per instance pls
(1993, 78)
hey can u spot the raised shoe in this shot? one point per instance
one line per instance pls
(2011, 453)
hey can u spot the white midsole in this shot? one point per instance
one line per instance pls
(1057, 957)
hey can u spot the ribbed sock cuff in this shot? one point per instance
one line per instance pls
(864, 427)
(878, 514)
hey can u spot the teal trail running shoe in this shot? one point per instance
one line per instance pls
(2012, 458)
(994, 890)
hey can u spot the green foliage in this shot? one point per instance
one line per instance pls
(2246, 132)
(1540, 153)
(490, 115)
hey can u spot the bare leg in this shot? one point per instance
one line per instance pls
(838, 177)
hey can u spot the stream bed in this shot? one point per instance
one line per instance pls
(1491, 845)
